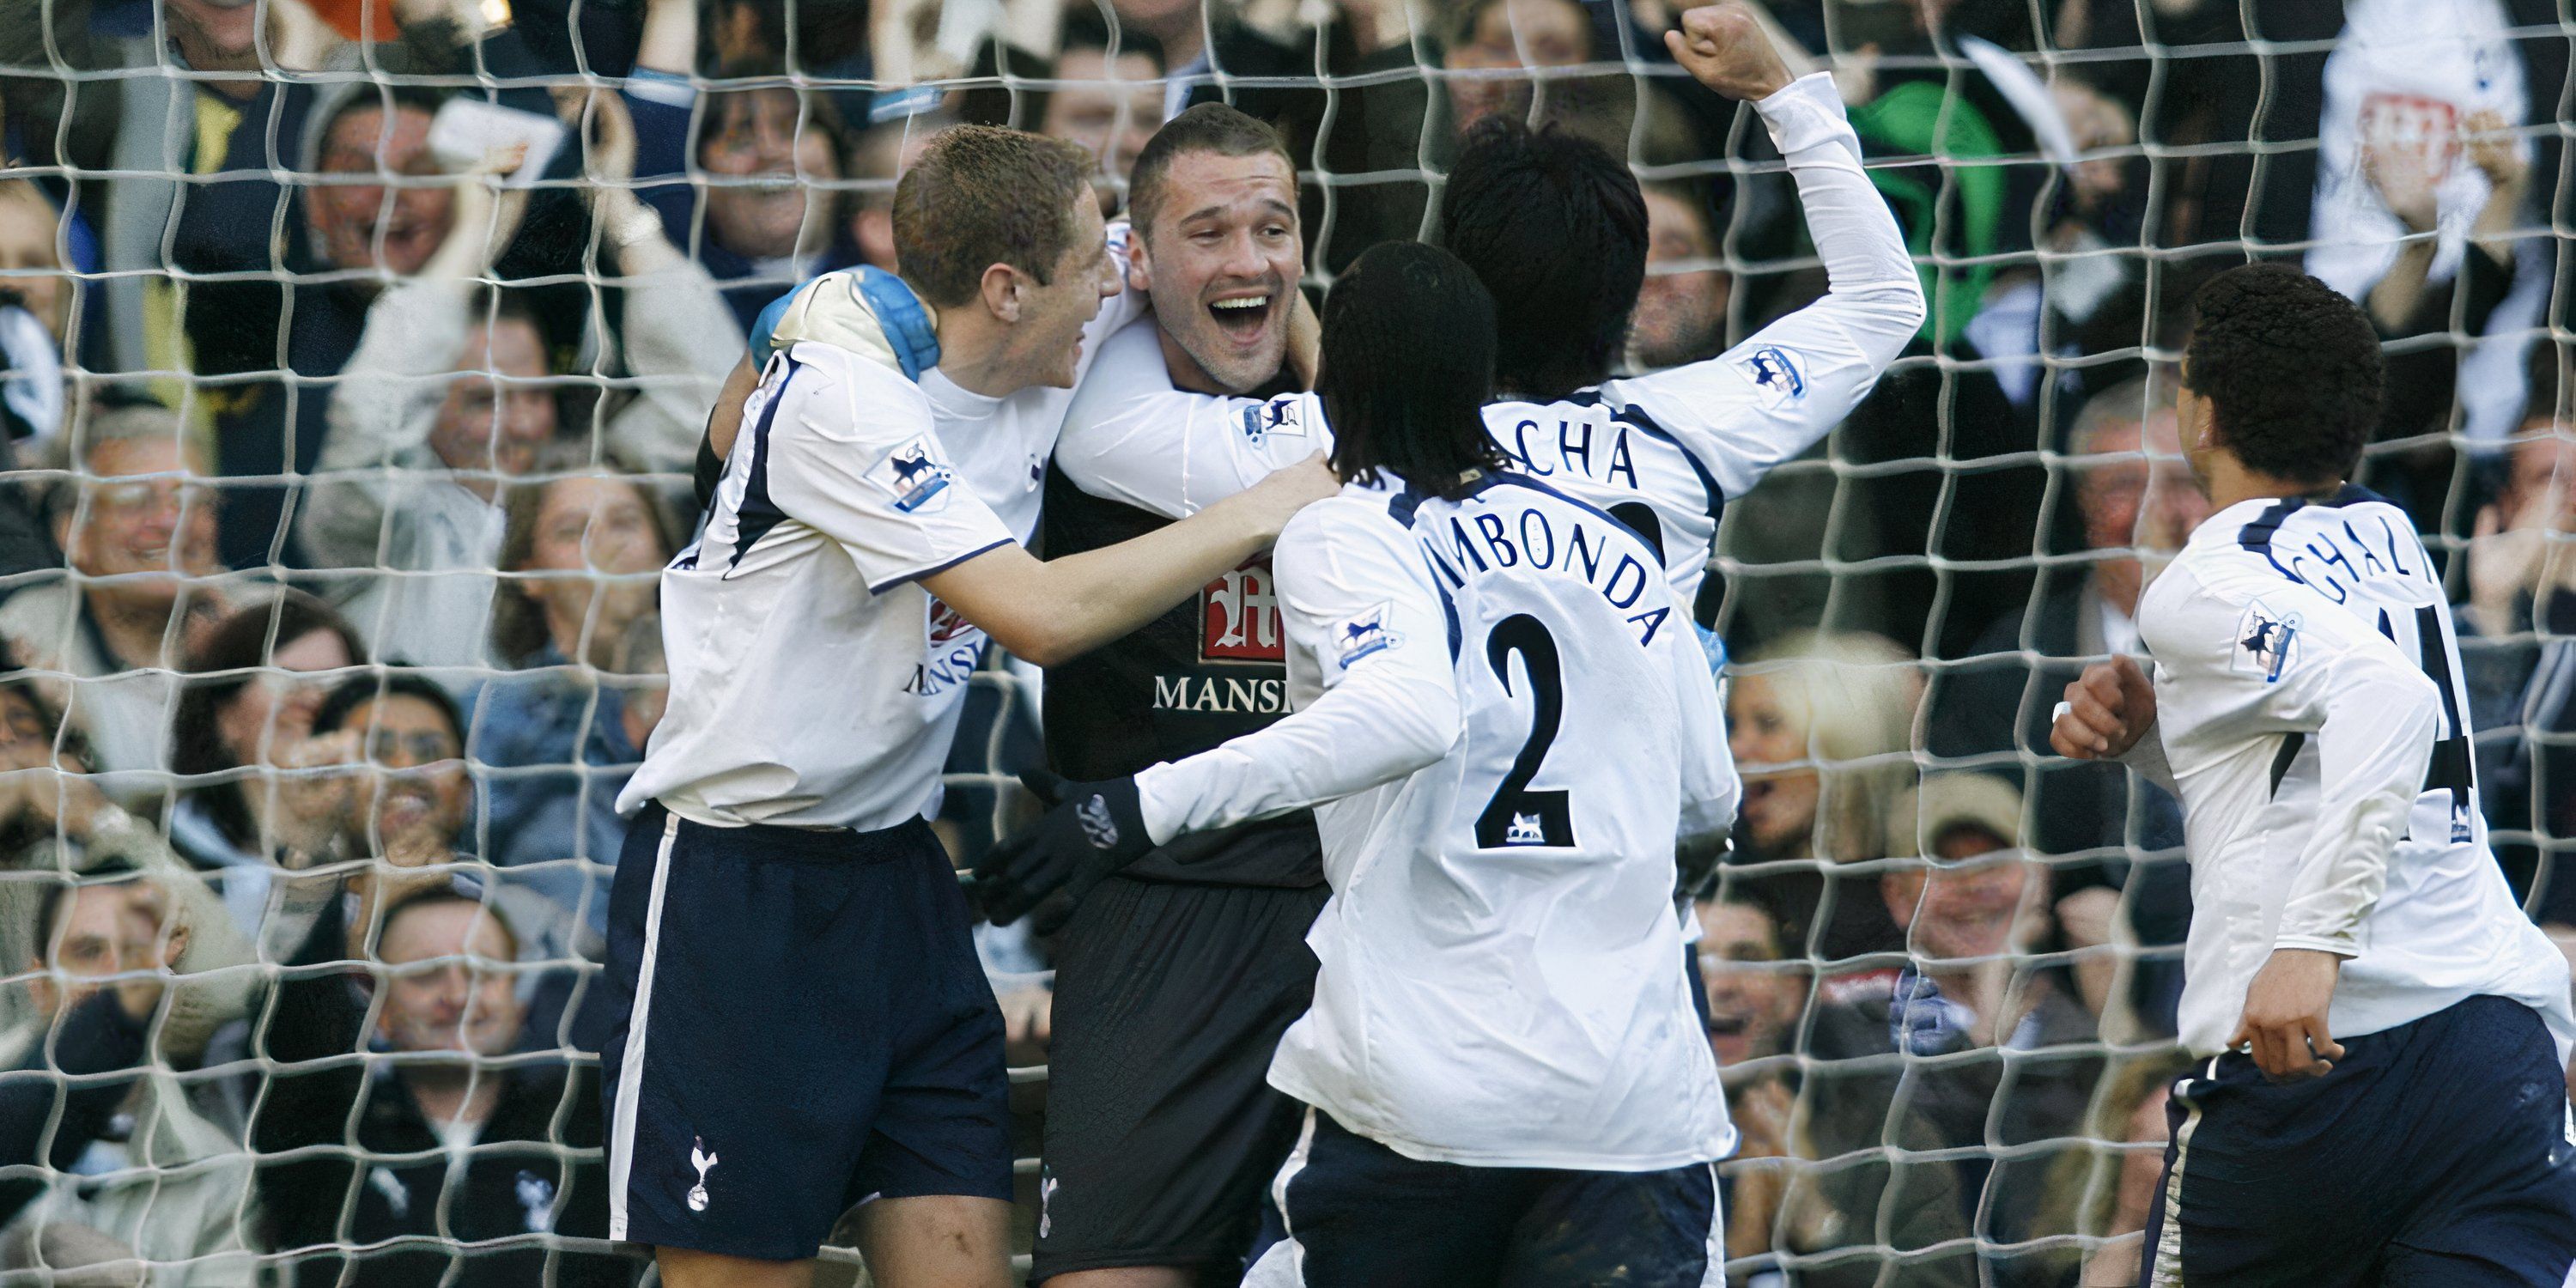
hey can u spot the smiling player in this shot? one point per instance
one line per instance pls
(1503, 728)
(805, 1022)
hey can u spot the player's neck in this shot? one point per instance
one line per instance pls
(1187, 374)
(2230, 483)
(975, 352)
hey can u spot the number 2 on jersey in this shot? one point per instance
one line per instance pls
(1516, 815)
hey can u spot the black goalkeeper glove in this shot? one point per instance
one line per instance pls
(1090, 831)
(1698, 861)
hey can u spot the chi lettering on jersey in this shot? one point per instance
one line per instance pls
(1239, 617)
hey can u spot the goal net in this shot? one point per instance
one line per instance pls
(357, 354)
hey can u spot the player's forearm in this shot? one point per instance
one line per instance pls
(2373, 747)
(1135, 438)
(1372, 729)
(1872, 291)
(1775, 395)
(1100, 595)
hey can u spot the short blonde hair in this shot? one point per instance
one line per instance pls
(1858, 696)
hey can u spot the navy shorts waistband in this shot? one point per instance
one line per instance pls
(829, 844)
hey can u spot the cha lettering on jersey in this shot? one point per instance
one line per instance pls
(2267, 643)
(1239, 617)
(915, 476)
(1221, 695)
(1572, 448)
(952, 648)
(1277, 417)
(1774, 371)
(1505, 538)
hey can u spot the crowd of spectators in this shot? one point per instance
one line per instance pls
(353, 354)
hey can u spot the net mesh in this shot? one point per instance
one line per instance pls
(357, 352)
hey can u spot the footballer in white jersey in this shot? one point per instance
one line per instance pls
(1664, 451)
(2385, 1032)
(802, 1015)
(1504, 726)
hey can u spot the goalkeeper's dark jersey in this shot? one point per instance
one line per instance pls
(1205, 672)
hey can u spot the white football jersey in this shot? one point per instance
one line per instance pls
(1503, 723)
(999, 446)
(2313, 716)
(1663, 452)
(813, 681)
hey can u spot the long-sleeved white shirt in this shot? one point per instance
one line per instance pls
(2313, 718)
(1676, 444)
(383, 503)
(1503, 723)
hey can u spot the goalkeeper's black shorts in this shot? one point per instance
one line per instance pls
(1161, 1126)
(2436, 1153)
(803, 1025)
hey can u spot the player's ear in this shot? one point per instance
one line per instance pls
(1140, 267)
(1003, 291)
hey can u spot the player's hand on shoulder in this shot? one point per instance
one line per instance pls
(1724, 47)
(1089, 831)
(2284, 1024)
(1290, 488)
(2106, 711)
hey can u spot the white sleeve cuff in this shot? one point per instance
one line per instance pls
(1807, 112)
(1163, 801)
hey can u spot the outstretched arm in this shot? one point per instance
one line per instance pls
(847, 448)
(1053, 612)
(1354, 597)
(1360, 608)
(1773, 396)
(1133, 437)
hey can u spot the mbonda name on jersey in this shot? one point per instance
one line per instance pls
(1576, 543)
(1503, 724)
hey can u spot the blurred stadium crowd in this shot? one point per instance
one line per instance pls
(345, 443)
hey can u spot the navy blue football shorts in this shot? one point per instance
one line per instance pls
(803, 1026)
(2435, 1154)
(1348, 1212)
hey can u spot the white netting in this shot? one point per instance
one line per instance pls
(261, 385)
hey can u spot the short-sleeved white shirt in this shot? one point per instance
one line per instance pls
(813, 681)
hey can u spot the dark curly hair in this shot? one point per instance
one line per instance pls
(1408, 364)
(2291, 370)
(1555, 227)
